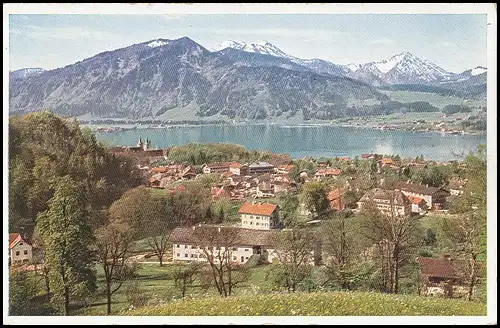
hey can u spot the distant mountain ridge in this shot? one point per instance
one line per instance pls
(149, 79)
(402, 68)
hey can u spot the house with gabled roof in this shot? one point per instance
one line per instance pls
(20, 249)
(260, 216)
(435, 197)
(441, 276)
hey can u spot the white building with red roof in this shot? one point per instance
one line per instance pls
(260, 216)
(20, 250)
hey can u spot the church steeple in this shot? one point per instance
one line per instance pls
(139, 143)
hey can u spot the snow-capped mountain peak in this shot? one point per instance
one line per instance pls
(401, 68)
(265, 47)
(261, 47)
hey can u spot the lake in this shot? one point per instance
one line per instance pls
(300, 141)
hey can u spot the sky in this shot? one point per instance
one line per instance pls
(456, 42)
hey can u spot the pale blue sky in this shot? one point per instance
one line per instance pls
(454, 42)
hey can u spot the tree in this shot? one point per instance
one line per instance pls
(216, 245)
(150, 217)
(394, 235)
(184, 276)
(113, 241)
(289, 204)
(314, 196)
(293, 249)
(44, 147)
(67, 239)
(467, 228)
(22, 289)
(341, 246)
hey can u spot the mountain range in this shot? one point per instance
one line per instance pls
(243, 80)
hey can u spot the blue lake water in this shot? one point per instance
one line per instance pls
(300, 141)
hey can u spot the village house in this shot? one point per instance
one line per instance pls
(322, 162)
(219, 192)
(260, 168)
(417, 204)
(434, 197)
(238, 169)
(327, 173)
(387, 201)
(335, 199)
(387, 162)
(368, 156)
(20, 250)
(188, 173)
(456, 186)
(284, 169)
(440, 277)
(261, 216)
(216, 168)
(189, 243)
(265, 189)
(243, 242)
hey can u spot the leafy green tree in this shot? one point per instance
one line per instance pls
(67, 239)
(44, 147)
(22, 290)
(314, 196)
(289, 204)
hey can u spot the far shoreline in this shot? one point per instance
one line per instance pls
(119, 126)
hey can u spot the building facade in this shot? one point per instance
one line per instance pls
(20, 251)
(260, 168)
(388, 202)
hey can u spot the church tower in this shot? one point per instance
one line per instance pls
(140, 143)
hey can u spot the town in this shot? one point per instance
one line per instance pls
(216, 215)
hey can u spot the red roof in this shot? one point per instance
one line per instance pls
(234, 164)
(257, 209)
(14, 238)
(160, 169)
(329, 172)
(441, 268)
(387, 160)
(335, 194)
(415, 200)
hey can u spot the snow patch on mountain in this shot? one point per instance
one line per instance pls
(478, 70)
(157, 43)
(25, 72)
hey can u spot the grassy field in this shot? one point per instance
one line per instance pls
(156, 283)
(317, 304)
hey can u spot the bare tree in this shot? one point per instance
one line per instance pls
(465, 232)
(294, 251)
(393, 233)
(184, 276)
(341, 245)
(113, 242)
(216, 245)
